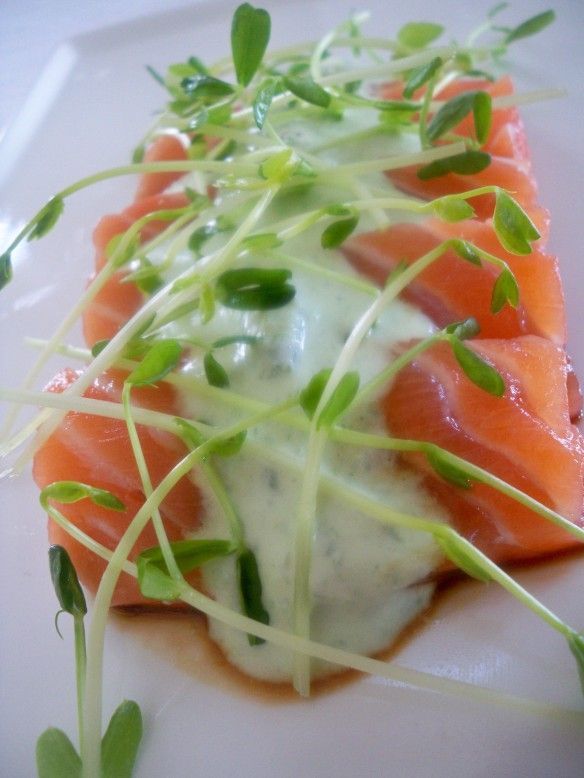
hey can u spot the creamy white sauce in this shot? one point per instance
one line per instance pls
(366, 578)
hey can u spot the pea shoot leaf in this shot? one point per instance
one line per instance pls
(205, 89)
(47, 217)
(480, 372)
(420, 76)
(189, 554)
(73, 491)
(505, 290)
(228, 447)
(465, 164)
(309, 397)
(262, 241)
(339, 401)
(514, 228)
(455, 110)
(253, 288)
(215, 372)
(451, 208)
(263, 100)
(464, 329)
(483, 116)
(337, 232)
(5, 269)
(250, 34)
(576, 643)
(308, 90)
(158, 361)
(66, 583)
(530, 26)
(417, 35)
(466, 250)
(250, 587)
(120, 743)
(457, 551)
(56, 756)
(451, 473)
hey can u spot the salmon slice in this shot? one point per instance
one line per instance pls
(119, 300)
(97, 451)
(524, 437)
(510, 165)
(452, 289)
(164, 148)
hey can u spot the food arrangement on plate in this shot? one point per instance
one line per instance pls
(325, 363)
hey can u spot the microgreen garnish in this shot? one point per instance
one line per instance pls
(530, 26)
(513, 226)
(5, 270)
(505, 291)
(465, 164)
(418, 35)
(47, 218)
(420, 76)
(255, 289)
(457, 552)
(161, 358)
(308, 90)
(120, 743)
(56, 756)
(250, 587)
(66, 583)
(215, 372)
(576, 644)
(337, 232)
(478, 370)
(452, 209)
(263, 100)
(250, 34)
(73, 491)
(447, 470)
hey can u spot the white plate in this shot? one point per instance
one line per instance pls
(91, 105)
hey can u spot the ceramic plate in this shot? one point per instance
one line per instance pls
(91, 105)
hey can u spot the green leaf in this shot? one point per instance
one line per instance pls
(513, 226)
(158, 361)
(496, 9)
(483, 116)
(309, 397)
(420, 76)
(505, 290)
(531, 26)
(127, 254)
(451, 208)
(308, 90)
(5, 269)
(230, 340)
(456, 550)
(47, 217)
(250, 33)
(228, 447)
(263, 100)
(205, 89)
(339, 401)
(250, 587)
(451, 114)
(138, 154)
(189, 434)
(279, 167)
(465, 164)
(337, 232)
(207, 303)
(464, 329)
(215, 373)
(156, 584)
(576, 643)
(481, 373)
(56, 756)
(466, 251)
(261, 241)
(417, 35)
(451, 473)
(189, 554)
(65, 582)
(72, 491)
(253, 288)
(119, 746)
